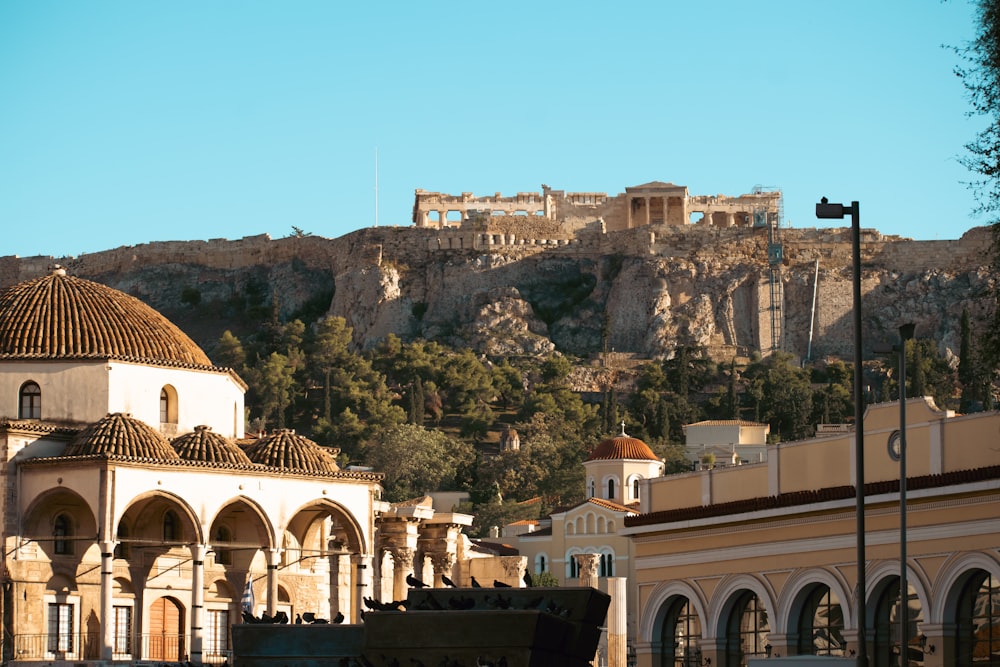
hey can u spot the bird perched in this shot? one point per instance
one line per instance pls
(339, 618)
(475, 584)
(298, 619)
(527, 579)
(499, 584)
(447, 581)
(413, 582)
(308, 616)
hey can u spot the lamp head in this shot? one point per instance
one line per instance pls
(824, 209)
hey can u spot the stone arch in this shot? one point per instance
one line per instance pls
(796, 588)
(659, 603)
(249, 528)
(349, 530)
(951, 578)
(725, 596)
(883, 574)
(62, 504)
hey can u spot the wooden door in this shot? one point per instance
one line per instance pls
(166, 630)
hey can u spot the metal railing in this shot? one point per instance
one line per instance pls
(153, 648)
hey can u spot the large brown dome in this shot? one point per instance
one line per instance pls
(64, 317)
(121, 435)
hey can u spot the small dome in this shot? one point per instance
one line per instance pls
(285, 449)
(121, 435)
(204, 445)
(622, 447)
(59, 316)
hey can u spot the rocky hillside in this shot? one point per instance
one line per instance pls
(502, 292)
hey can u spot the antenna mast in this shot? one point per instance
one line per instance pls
(376, 186)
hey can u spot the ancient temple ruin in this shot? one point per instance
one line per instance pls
(654, 203)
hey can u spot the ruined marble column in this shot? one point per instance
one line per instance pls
(443, 564)
(513, 569)
(588, 564)
(402, 565)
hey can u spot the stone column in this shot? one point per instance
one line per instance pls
(617, 621)
(513, 569)
(443, 564)
(107, 602)
(198, 552)
(273, 560)
(362, 585)
(588, 565)
(402, 565)
(648, 216)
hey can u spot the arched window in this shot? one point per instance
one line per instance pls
(611, 489)
(977, 639)
(572, 567)
(591, 492)
(821, 624)
(680, 635)
(635, 488)
(170, 525)
(541, 563)
(607, 565)
(168, 405)
(61, 531)
(887, 636)
(223, 556)
(746, 630)
(31, 401)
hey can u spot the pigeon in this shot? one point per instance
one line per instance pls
(475, 584)
(281, 617)
(339, 618)
(298, 619)
(371, 604)
(527, 579)
(413, 582)
(447, 581)
(499, 584)
(308, 617)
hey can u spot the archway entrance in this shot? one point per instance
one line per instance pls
(166, 630)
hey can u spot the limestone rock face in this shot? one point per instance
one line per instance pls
(641, 292)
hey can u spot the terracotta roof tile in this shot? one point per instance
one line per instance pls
(119, 434)
(59, 316)
(622, 447)
(285, 449)
(809, 497)
(204, 445)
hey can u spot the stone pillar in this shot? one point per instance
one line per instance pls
(362, 585)
(402, 565)
(107, 603)
(443, 564)
(198, 552)
(273, 560)
(648, 216)
(940, 642)
(617, 620)
(730, 219)
(513, 569)
(588, 565)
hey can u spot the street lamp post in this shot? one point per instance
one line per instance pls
(905, 334)
(826, 210)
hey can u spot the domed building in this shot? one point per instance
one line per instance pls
(135, 527)
(616, 472)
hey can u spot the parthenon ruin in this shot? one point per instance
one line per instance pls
(654, 203)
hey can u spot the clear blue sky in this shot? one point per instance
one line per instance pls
(125, 122)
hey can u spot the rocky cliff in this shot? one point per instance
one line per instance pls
(504, 291)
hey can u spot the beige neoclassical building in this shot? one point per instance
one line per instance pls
(135, 512)
(744, 562)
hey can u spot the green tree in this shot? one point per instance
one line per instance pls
(981, 78)
(416, 460)
(275, 381)
(782, 395)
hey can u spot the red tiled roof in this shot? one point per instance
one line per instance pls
(119, 434)
(204, 445)
(286, 449)
(622, 447)
(810, 497)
